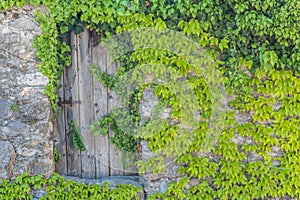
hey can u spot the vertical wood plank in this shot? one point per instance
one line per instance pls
(86, 106)
(60, 135)
(113, 102)
(72, 113)
(100, 159)
(99, 54)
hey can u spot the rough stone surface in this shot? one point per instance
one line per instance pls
(6, 111)
(25, 111)
(154, 183)
(147, 104)
(6, 159)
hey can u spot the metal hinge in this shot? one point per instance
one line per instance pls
(70, 102)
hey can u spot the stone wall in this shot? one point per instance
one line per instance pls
(25, 112)
(159, 182)
(155, 182)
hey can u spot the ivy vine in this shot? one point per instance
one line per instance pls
(255, 45)
(57, 187)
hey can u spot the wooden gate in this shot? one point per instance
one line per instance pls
(100, 159)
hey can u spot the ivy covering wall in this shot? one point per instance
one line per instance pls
(56, 187)
(256, 47)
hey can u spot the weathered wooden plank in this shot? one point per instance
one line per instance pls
(60, 135)
(100, 159)
(99, 54)
(86, 106)
(72, 113)
(115, 155)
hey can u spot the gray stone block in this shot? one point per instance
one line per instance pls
(7, 157)
(5, 110)
(25, 112)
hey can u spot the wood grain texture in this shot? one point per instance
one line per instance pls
(60, 134)
(100, 159)
(99, 58)
(86, 106)
(72, 113)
